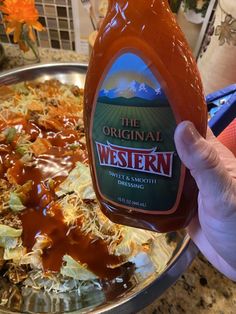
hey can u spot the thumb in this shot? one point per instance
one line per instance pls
(204, 163)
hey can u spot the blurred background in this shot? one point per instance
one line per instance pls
(209, 27)
(70, 23)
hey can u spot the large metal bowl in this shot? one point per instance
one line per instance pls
(139, 292)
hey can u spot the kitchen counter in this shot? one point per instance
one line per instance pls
(201, 289)
(14, 57)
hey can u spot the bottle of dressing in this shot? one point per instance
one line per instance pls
(142, 81)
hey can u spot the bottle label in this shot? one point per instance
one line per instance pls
(136, 164)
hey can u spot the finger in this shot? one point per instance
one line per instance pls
(223, 151)
(208, 250)
(200, 156)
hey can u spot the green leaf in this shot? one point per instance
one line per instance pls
(73, 146)
(15, 202)
(75, 270)
(10, 134)
(21, 149)
(6, 231)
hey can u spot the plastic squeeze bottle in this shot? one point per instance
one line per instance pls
(142, 81)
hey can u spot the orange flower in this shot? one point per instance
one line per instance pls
(20, 12)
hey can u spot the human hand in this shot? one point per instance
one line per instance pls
(213, 167)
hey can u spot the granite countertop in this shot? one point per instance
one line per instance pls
(14, 57)
(201, 289)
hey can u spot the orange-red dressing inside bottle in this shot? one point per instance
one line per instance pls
(142, 81)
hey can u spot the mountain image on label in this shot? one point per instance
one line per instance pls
(140, 85)
(133, 89)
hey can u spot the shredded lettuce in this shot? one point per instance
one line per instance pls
(133, 241)
(6, 231)
(78, 181)
(14, 254)
(15, 202)
(73, 146)
(10, 134)
(33, 259)
(22, 150)
(23, 145)
(8, 242)
(76, 270)
(9, 239)
(69, 205)
(42, 242)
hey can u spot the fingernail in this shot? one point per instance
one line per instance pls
(190, 134)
